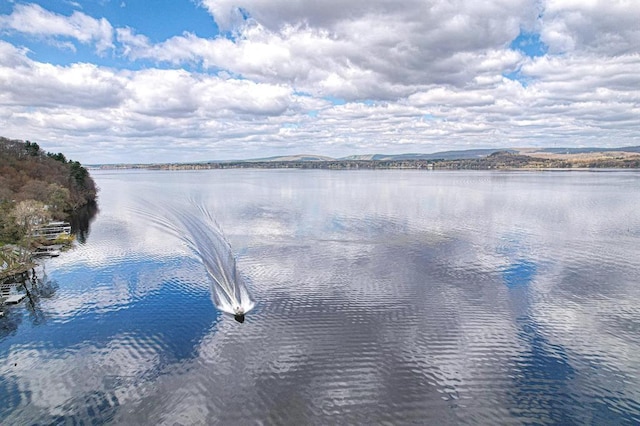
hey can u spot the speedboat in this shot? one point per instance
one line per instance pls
(238, 314)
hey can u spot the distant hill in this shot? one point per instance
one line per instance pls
(570, 151)
(442, 155)
(300, 157)
(466, 154)
(566, 154)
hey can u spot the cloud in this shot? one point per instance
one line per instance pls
(33, 84)
(177, 92)
(336, 79)
(334, 51)
(60, 103)
(154, 92)
(229, 14)
(33, 20)
(608, 28)
(42, 85)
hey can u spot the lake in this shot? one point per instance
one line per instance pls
(371, 297)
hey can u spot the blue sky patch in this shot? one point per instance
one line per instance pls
(335, 101)
(529, 44)
(517, 76)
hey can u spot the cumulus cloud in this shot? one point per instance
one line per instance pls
(28, 83)
(178, 93)
(33, 20)
(358, 50)
(84, 104)
(607, 28)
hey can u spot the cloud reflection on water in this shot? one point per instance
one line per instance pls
(396, 296)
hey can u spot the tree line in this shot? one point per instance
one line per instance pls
(38, 186)
(496, 160)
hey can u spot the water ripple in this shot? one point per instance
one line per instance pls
(385, 298)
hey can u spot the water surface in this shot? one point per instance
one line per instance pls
(397, 297)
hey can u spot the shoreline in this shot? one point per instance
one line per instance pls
(498, 161)
(23, 265)
(7, 275)
(177, 168)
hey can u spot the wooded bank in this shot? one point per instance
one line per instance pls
(36, 187)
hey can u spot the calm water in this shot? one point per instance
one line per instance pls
(396, 297)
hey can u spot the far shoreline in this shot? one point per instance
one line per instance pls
(475, 164)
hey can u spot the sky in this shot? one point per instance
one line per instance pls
(141, 81)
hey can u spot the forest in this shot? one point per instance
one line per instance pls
(37, 187)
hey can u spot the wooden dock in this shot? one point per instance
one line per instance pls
(10, 295)
(14, 298)
(51, 251)
(52, 230)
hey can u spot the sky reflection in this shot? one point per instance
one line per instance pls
(389, 296)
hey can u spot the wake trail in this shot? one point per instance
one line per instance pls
(194, 224)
